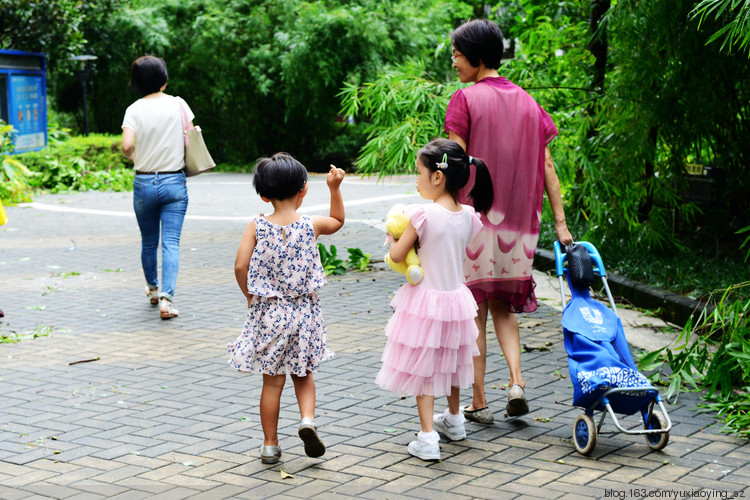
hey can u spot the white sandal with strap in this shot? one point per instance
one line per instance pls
(153, 295)
(166, 310)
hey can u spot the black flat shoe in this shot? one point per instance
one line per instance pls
(314, 447)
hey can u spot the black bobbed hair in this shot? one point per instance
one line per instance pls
(279, 177)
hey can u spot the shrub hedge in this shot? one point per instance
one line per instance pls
(80, 164)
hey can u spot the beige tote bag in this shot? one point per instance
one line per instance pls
(197, 157)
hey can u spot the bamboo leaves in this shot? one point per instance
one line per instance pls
(404, 109)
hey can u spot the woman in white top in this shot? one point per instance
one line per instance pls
(152, 137)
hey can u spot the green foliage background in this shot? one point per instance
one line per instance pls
(260, 75)
(270, 75)
(666, 98)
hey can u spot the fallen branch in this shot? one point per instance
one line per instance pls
(83, 361)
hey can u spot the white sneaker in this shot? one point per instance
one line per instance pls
(454, 431)
(425, 446)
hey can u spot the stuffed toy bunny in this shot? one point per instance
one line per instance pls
(395, 224)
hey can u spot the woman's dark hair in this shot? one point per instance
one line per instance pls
(479, 40)
(279, 177)
(148, 74)
(457, 171)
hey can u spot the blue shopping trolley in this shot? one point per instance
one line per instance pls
(602, 370)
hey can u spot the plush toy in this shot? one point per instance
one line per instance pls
(395, 224)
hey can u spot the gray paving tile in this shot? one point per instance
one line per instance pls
(161, 415)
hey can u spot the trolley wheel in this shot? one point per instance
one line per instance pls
(657, 441)
(584, 434)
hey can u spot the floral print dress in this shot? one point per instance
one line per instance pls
(284, 332)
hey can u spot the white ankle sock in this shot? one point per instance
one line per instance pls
(428, 437)
(307, 420)
(452, 419)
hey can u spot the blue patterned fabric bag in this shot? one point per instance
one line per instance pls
(599, 357)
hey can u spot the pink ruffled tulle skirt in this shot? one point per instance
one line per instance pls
(432, 338)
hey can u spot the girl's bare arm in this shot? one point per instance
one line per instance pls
(242, 261)
(400, 247)
(336, 214)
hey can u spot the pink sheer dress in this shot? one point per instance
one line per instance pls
(503, 125)
(432, 335)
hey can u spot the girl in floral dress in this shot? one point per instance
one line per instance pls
(278, 269)
(432, 334)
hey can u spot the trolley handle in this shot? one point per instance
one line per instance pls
(561, 257)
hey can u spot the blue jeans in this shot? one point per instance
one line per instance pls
(160, 199)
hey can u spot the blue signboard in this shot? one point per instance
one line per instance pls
(28, 111)
(24, 101)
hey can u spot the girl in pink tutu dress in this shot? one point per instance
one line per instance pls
(278, 269)
(432, 334)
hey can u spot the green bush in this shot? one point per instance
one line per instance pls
(80, 164)
(712, 355)
(691, 272)
(358, 260)
(332, 264)
(14, 176)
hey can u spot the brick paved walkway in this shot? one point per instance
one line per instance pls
(160, 415)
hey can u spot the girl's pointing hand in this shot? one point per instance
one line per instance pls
(334, 177)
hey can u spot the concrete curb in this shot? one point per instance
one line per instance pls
(670, 306)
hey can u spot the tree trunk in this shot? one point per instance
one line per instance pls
(648, 176)
(598, 47)
(598, 41)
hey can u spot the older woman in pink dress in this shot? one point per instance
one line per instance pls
(497, 121)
